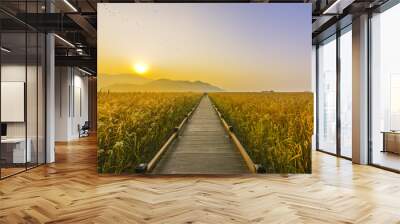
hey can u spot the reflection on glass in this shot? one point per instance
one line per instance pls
(386, 89)
(22, 93)
(346, 94)
(394, 102)
(14, 153)
(41, 99)
(31, 101)
(327, 96)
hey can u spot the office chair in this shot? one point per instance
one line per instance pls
(84, 130)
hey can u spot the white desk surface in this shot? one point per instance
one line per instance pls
(13, 140)
(21, 154)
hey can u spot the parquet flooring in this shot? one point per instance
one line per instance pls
(203, 147)
(71, 191)
(7, 171)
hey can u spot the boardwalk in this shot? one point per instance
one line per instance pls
(202, 148)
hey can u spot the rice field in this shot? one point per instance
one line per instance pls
(275, 128)
(133, 126)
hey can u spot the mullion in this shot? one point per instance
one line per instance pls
(317, 96)
(37, 90)
(26, 86)
(338, 93)
(0, 95)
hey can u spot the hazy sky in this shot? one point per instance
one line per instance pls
(238, 47)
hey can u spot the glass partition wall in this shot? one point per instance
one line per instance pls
(13, 85)
(334, 93)
(385, 89)
(22, 116)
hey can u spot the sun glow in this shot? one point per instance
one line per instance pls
(140, 68)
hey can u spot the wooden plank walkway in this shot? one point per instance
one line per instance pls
(203, 147)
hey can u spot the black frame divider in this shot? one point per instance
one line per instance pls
(369, 90)
(316, 97)
(37, 90)
(26, 88)
(0, 97)
(338, 83)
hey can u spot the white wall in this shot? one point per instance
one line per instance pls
(71, 102)
(80, 109)
(33, 127)
(16, 73)
(62, 82)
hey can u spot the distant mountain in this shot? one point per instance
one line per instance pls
(108, 80)
(164, 85)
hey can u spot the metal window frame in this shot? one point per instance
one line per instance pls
(387, 5)
(337, 34)
(338, 96)
(0, 93)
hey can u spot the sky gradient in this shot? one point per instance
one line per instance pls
(238, 47)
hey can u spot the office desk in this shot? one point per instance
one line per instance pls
(13, 150)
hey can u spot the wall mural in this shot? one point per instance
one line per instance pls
(204, 88)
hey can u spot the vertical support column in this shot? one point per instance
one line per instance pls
(50, 92)
(50, 99)
(360, 89)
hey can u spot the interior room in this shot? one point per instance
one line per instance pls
(49, 126)
(71, 103)
(22, 104)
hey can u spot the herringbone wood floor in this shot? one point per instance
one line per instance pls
(71, 191)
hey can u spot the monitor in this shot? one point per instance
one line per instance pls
(3, 129)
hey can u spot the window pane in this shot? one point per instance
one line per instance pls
(386, 89)
(31, 94)
(346, 93)
(14, 150)
(327, 96)
(41, 98)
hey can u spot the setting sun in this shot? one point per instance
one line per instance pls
(140, 68)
